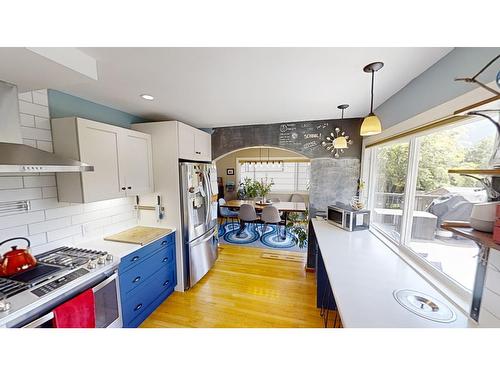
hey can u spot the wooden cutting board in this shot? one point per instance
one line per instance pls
(139, 235)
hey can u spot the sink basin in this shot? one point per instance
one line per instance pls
(423, 305)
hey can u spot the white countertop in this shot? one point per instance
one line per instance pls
(364, 272)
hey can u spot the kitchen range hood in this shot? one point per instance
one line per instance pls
(16, 157)
(21, 158)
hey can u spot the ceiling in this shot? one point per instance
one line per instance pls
(213, 87)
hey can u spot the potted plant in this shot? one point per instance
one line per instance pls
(263, 189)
(297, 225)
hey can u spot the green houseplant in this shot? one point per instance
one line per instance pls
(297, 225)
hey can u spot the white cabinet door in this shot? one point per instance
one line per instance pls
(98, 145)
(203, 145)
(186, 142)
(135, 160)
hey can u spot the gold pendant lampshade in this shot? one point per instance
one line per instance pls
(371, 124)
(341, 141)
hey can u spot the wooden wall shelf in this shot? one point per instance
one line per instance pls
(488, 172)
(484, 238)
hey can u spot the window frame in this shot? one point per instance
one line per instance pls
(433, 275)
(288, 159)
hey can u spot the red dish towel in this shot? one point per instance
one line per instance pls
(78, 312)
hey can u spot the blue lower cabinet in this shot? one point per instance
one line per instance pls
(145, 284)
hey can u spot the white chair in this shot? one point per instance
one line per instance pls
(271, 215)
(297, 198)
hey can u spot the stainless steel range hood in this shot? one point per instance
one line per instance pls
(21, 158)
(16, 157)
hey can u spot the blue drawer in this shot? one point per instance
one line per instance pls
(146, 251)
(138, 275)
(136, 322)
(143, 296)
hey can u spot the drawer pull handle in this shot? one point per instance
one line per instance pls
(138, 307)
(129, 187)
(137, 279)
(166, 283)
(165, 259)
(164, 243)
(123, 188)
(135, 259)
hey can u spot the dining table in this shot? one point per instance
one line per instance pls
(284, 207)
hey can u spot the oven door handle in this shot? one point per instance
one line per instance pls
(40, 321)
(105, 282)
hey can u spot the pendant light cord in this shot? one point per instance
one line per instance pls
(373, 82)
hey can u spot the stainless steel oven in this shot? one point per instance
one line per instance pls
(106, 303)
(347, 218)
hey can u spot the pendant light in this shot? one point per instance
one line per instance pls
(371, 124)
(340, 142)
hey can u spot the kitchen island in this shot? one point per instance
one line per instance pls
(364, 273)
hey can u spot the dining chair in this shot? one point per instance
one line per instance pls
(297, 198)
(271, 215)
(225, 213)
(247, 214)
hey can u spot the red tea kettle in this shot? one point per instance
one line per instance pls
(16, 260)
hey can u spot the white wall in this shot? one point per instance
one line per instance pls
(50, 223)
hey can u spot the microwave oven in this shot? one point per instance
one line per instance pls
(347, 218)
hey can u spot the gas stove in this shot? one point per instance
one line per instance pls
(55, 269)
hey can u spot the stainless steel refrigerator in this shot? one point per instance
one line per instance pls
(199, 219)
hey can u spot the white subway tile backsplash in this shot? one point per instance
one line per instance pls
(49, 192)
(40, 97)
(45, 146)
(26, 96)
(20, 219)
(39, 181)
(27, 120)
(20, 194)
(35, 133)
(11, 183)
(49, 225)
(43, 204)
(37, 239)
(30, 142)
(64, 233)
(42, 123)
(64, 211)
(33, 109)
(21, 231)
(68, 241)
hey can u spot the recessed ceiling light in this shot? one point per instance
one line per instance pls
(147, 96)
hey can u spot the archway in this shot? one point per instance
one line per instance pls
(233, 166)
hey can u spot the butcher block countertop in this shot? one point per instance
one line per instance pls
(139, 235)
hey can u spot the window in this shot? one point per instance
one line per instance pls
(411, 193)
(389, 187)
(288, 176)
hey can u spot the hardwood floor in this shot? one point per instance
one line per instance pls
(245, 290)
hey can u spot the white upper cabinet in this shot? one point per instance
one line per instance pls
(122, 160)
(194, 144)
(135, 162)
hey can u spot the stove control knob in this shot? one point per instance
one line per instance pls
(101, 260)
(109, 258)
(92, 265)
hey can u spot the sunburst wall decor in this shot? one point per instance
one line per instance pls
(337, 142)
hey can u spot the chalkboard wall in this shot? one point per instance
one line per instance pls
(304, 137)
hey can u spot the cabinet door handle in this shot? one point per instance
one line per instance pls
(165, 259)
(166, 283)
(123, 188)
(135, 259)
(138, 307)
(198, 152)
(129, 187)
(164, 243)
(137, 279)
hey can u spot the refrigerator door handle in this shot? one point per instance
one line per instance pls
(208, 198)
(204, 238)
